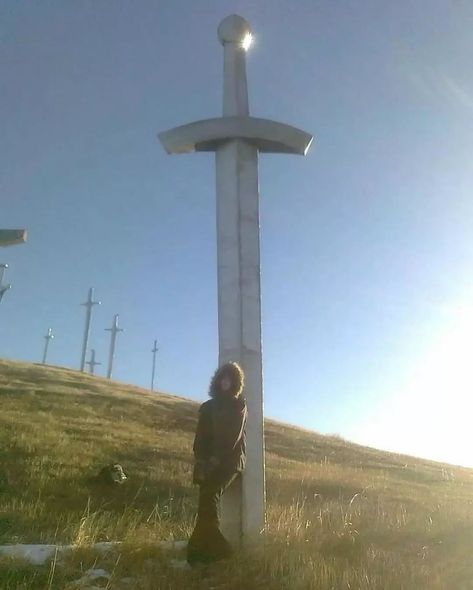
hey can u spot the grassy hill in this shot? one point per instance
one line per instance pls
(340, 516)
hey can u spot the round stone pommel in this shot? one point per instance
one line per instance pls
(233, 29)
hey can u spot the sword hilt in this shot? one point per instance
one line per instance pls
(234, 33)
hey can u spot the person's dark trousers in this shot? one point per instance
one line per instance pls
(207, 544)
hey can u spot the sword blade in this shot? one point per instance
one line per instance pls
(239, 317)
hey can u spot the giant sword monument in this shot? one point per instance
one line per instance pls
(237, 139)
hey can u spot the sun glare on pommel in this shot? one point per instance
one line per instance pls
(247, 41)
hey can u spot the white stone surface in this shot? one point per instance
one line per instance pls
(105, 546)
(239, 313)
(95, 574)
(88, 580)
(38, 554)
(35, 554)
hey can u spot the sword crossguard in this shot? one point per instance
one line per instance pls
(208, 135)
(114, 329)
(90, 300)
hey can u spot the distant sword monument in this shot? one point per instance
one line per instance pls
(154, 351)
(49, 336)
(89, 304)
(92, 363)
(236, 138)
(113, 339)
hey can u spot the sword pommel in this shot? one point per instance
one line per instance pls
(234, 29)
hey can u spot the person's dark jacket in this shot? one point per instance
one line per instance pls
(220, 440)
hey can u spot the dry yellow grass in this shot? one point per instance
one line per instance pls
(340, 516)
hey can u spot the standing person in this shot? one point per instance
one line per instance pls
(220, 454)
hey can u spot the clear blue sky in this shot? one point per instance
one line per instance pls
(367, 244)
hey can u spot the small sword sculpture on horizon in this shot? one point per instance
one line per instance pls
(49, 336)
(114, 331)
(154, 351)
(89, 304)
(92, 363)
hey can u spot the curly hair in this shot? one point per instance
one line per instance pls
(236, 376)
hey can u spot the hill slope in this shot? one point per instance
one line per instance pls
(339, 515)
